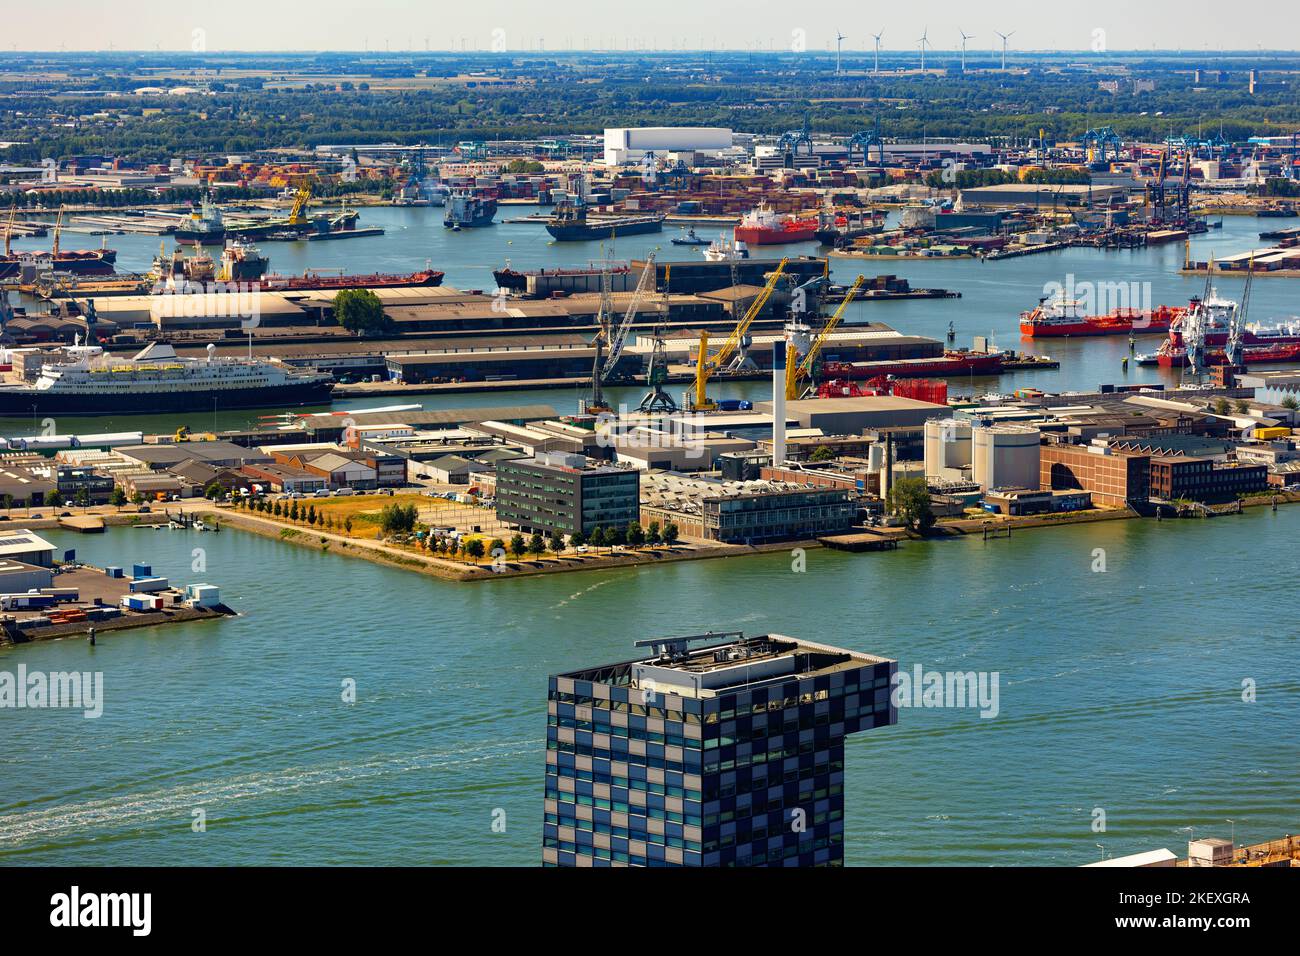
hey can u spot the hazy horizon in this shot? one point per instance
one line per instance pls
(513, 26)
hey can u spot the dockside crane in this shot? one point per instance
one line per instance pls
(616, 338)
(657, 400)
(794, 371)
(1233, 353)
(706, 365)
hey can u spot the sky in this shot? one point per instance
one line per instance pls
(400, 25)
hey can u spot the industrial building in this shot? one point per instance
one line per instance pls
(853, 416)
(564, 493)
(630, 145)
(728, 753)
(1114, 478)
(26, 547)
(746, 512)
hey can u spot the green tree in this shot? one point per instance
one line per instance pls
(821, 453)
(53, 499)
(137, 499)
(293, 511)
(577, 539)
(1242, 406)
(670, 533)
(83, 498)
(517, 545)
(909, 499)
(474, 548)
(598, 537)
(555, 542)
(116, 499)
(360, 311)
(536, 546)
(653, 534)
(1290, 402)
(497, 547)
(635, 535)
(213, 491)
(617, 534)
(311, 514)
(1221, 406)
(347, 524)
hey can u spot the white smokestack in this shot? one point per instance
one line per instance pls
(778, 403)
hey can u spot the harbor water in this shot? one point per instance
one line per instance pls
(1119, 690)
(1124, 690)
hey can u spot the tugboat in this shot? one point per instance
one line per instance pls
(689, 239)
(464, 208)
(723, 249)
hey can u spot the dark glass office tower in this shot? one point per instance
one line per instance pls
(725, 754)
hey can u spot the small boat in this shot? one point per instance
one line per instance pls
(723, 249)
(689, 239)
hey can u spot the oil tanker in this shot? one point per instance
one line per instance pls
(1061, 317)
(763, 227)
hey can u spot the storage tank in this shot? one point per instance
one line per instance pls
(947, 445)
(1006, 456)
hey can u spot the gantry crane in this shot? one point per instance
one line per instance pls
(802, 368)
(615, 338)
(706, 365)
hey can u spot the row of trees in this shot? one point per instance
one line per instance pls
(307, 514)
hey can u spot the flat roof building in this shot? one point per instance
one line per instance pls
(559, 492)
(729, 753)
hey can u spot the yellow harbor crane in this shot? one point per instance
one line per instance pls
(706, 365)
(300, 200)
(802, 368)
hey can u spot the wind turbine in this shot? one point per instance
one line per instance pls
(839, 42)
(964, 37)
(876, 37)
(924, 41)
(1005, 37)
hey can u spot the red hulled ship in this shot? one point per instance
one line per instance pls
(1061, 317)
(763, 227)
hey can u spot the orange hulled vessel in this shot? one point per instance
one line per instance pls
(1061, 316)
(763, 227)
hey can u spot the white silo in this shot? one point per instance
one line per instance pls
(947, 447)
(1006, 456)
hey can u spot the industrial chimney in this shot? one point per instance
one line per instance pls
(778, 403)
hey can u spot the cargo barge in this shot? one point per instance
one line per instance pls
(951, 363)
(571, 223)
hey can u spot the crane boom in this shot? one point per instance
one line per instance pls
(620, 335)
(299, 204)
(797, 370)
(706, 365)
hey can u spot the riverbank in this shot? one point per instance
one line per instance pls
(508, 567)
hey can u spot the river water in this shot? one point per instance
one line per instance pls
(1120, 691)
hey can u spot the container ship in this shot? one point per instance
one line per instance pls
(1060, 317)
(953, 362)
(156, 379)
(572, 224)
(465, 210)
(763, 227)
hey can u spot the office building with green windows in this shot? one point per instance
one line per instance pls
(565, 493)
(716, 750)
